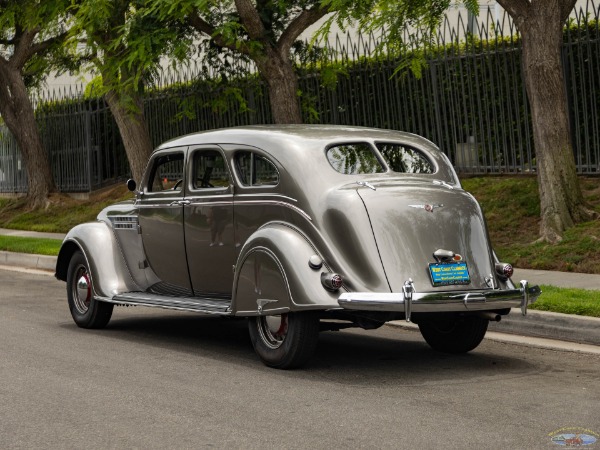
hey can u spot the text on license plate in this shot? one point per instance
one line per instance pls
(446, 274)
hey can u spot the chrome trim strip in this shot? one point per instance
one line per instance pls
(277, 203)
(267, 194)
(440, 301)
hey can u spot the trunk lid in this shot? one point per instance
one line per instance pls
(411, 221)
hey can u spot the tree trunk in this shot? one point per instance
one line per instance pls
(282, 84)
(134, 131)
(561, 200)
(18, 114)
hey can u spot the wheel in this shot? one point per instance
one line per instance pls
(454, 335)
(87, 312)
(285, 341)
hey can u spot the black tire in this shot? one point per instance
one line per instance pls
(454, 335)
(86, 311)
(286, 341)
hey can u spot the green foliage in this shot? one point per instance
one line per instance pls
(47, 18)
(409, 26)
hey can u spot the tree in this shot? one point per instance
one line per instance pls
(265, 32)
(30, 32)
(125, 43)
(541, 25)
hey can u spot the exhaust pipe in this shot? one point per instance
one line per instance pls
(492, 317)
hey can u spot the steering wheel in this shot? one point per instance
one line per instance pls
(177, 184)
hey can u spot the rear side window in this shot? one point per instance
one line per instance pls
(403, 159)
(353, 159)
(255, 170)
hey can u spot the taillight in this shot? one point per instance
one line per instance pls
(504, 270)
(331, 281)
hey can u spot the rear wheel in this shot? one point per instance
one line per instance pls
(454, 335)
(285, 341)
(86, 311)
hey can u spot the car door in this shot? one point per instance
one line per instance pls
(209, 235)
(161, 212)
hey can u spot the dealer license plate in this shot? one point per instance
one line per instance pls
(450, 273)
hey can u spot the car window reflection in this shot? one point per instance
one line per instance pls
(353, 159)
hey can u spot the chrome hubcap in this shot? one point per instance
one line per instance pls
(273, 330)
(82, 292)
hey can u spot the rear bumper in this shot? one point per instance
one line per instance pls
(409, 301)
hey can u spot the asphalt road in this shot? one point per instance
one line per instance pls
(158, 379)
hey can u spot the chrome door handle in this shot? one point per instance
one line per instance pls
(180, 203)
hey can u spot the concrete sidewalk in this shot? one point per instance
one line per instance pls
(36, 234)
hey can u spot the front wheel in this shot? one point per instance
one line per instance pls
(454, 335)
(285, 341)
(87, 312)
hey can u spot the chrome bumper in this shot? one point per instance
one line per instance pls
(409, 301)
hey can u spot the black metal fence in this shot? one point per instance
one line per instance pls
(470, 100)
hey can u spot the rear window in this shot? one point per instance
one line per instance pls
(352, 159)
(403, 159)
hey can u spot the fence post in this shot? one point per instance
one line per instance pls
(88, 146)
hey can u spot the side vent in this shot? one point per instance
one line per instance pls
(124, 222)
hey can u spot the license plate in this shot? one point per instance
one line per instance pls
(446, 274)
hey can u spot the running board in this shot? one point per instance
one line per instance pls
(206, 306)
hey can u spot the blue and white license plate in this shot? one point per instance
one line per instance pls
(450, 273)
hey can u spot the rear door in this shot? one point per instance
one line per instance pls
(209, 235)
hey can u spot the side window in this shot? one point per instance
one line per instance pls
(167, 173)
(255, 170)
(353, 159)
(209, 170)
(405, 159)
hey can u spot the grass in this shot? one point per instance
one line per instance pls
(568, 301)
(511, 208)
(62, 212)
(39, 246)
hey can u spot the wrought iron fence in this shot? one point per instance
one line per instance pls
(470, 100)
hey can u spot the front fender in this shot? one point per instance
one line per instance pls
(273, 275)
(108, 269)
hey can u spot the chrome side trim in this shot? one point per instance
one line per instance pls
(268, 194)
(277, 203)
(431, 302)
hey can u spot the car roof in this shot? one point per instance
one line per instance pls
(317, 135)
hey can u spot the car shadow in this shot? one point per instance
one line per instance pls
(390, 355)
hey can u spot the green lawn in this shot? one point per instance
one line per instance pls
(39, 246)
(569, 301)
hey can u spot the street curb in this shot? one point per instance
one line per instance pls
(563, 327)
(28, 261)
(541, 324)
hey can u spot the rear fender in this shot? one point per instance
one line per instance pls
(273, 275)
(108, 269)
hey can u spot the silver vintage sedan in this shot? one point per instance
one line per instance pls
(299, 229)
